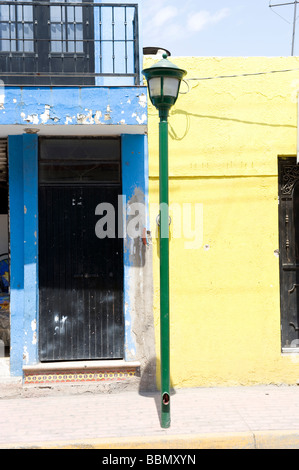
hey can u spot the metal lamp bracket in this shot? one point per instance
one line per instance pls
(158, 220)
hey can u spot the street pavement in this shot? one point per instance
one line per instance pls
(242, 417)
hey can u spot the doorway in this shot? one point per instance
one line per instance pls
(288, 172)
(80, 274)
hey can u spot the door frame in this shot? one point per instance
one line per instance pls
(23, 194)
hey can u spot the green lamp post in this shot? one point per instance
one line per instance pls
(164, 79)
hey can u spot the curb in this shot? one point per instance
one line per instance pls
(240, 440)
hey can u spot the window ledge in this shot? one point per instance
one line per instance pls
(290, 350)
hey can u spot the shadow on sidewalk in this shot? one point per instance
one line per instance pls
(148, 384)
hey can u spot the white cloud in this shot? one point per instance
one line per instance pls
(165, 14)
(203, 18)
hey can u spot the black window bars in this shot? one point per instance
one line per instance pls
(68, 42)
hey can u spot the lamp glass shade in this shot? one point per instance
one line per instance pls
(171, 87)
(160, 87)
(154, 85)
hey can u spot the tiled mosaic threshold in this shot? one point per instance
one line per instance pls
(69, 373)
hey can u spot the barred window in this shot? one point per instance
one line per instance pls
(16, 27)
(54, 42)
(47, 42)
(66, 28)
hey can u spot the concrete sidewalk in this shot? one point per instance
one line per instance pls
(256, 417)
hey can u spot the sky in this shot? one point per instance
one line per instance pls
(220, 27)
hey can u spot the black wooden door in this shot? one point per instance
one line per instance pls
(289, 251)
(80, 275)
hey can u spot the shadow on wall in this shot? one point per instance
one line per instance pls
(185, 129)
(148, 383)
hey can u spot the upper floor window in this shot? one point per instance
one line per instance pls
(16, 27)
(66, 28)
(58, 42)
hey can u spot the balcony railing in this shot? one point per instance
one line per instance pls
(66, 42)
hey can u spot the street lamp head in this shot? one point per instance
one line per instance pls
(164, 79)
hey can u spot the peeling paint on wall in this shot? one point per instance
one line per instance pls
(139, 309)
(33, 325)
(140, 119)
(71, 106)
(46, 115)
(31, 118)
(34, 338)
(43, 118)
(142, 100)
(68, 120)
(25, 355)
(141, 313)
(97, 117)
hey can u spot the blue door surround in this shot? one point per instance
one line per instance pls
(23, 212)
(23, 186)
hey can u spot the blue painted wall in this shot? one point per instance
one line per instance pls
(16, 205)
(134, 188)
(30, 178)
(23, 186)
(74, 105)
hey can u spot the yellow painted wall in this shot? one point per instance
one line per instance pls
(225, 136)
